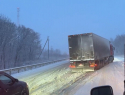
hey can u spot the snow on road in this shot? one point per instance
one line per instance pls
(112, 74)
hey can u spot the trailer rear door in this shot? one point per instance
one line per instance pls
(81, 47)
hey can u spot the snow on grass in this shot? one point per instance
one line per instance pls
(37, 70)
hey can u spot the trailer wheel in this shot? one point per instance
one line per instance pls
(98, 65)
(107, 62)
(103, 63)
(111, 61)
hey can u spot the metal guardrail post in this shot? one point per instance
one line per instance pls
(18, 70)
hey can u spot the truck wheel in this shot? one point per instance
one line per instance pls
(111, 61)
(98, 65)
(103, 64)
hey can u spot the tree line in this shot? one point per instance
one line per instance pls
(119, 43)
(18, 44)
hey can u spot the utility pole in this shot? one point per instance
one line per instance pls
(48, 47)
(124, 54)
(18, 10)
(44, 47)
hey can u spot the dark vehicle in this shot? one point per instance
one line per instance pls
(102, 90)
(89, 52)
(12, 86)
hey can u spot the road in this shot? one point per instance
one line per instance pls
(56, 79)
(112, 74)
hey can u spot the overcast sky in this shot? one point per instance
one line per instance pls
(60, 18)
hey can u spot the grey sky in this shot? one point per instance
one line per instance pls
(60, 18)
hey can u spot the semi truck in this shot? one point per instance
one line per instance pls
(89, 52)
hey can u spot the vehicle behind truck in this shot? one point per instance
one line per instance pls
(89, 52)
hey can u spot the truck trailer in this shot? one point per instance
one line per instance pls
(89, 52)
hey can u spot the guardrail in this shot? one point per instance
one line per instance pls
(29, 67)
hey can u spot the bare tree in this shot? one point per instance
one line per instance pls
(7, 33)
(17, 44)
(119, 42)
(20, 44)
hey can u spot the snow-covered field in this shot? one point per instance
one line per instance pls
(56, 79)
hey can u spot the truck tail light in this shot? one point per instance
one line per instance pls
(72, 66)
(92, 65)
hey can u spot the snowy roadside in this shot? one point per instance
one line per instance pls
(48, 79)
(37, 70)
(119, 58)
(38, 79)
